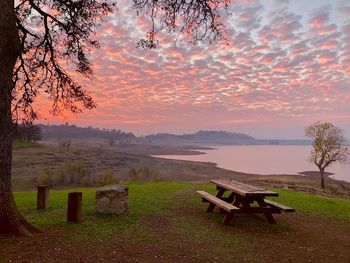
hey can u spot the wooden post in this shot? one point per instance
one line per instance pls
(74, 207)
(42, 198)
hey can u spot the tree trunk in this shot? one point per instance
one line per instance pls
(322, 178)
(11, 221)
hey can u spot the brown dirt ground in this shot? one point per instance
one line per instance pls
(29, 163)
(307, 239)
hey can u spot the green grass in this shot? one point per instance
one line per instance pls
(144, 199)
(21, 144)
(315, 205)
(175, 201)
(163, 215)
(309, 204)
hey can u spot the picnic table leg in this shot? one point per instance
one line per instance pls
(270, 218)
(210, 207)
(227, 219)
(245, 204)
(267, 214)
(219, 194)
(231, 198)
(237, 201)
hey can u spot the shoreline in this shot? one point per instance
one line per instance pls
(312, 172)
(29, 163)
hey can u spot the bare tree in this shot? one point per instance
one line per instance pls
(200, 19)
(36, 38)
(39, 37)
(329, 146)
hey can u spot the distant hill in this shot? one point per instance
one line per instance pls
(198, 138)
(206, 137)
(218, 137)
(75, 132)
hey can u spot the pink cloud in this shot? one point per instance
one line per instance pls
(274, 68)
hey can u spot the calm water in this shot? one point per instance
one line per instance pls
(263, 159)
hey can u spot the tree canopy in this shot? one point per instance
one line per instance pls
(53, 34)
(43, 41)
(56, 35)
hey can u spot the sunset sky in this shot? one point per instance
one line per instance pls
(287, 65)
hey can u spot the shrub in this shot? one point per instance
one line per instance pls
(145, 173)
(134, 174)
(71, 173)
(61, 176)
(47, 177)
(90, 180)
(74, 172)
(64, 145)
(42, 179)
(106, 177)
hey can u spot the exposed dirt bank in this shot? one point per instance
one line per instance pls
(98, 156)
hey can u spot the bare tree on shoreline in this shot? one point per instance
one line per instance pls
(329, 146)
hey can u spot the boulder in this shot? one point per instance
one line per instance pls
(112, 200)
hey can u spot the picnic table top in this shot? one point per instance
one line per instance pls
(243, 189)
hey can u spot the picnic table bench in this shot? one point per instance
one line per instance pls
(242, 198)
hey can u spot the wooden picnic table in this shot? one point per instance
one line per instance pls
(242, 198)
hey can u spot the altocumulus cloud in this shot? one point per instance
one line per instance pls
(279, 64)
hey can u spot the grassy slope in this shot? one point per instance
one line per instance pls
(177, 205)
(21, 144)
(144, 199)
(157, 198)
(149, 204)
(309, 204)
(315, 205)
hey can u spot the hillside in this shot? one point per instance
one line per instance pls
(218, 137)
(202, 137)
(75, 132)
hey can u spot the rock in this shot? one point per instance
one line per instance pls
(112, 200)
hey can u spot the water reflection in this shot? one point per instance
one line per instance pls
(263, 159)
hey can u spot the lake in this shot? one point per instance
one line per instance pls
(263, 159)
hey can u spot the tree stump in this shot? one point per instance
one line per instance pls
(74, 207)
(42, 200)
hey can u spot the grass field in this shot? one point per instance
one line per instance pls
(21, 144)
(168, 220)
(158, 199)
(315, 205)
(144, 199)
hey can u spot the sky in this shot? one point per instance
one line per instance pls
(287, 65)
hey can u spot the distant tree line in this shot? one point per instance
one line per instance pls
(202, 135)
(27, 132)
(74, 132)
